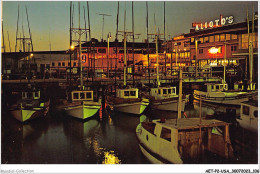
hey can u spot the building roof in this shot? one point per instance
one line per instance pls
(120, 44)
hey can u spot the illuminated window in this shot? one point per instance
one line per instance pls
(222, 37)
(192, 39)
(188, 54)
(216, 38)
(169, 91)
(201, 40)
(227, 36)
(244, 41)
(211, 38)
(206, 39)
(234, 36)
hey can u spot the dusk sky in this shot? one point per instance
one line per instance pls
(49, 21)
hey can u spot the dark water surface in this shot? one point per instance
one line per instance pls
(107, 138)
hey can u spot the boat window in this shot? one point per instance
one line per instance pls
(24, 94)
(169, 91)
(149, 126)
(245, 110)
(36, 94)
(256, 113)
(75, 95)
(132, 93)
(217, 87)
(89, 95)
(173, 91)
(166, 134)
(29, 95)
(159, 91)
(126, 93)
(82, 95)
(212, 87)
(164, 91)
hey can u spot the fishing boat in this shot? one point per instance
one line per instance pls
(128, 101)
(177, 141)
(165, 98)
(218, 93)
(248, 118)
(83, 105)
(31, 106)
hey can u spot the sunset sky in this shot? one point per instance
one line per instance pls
(49, 21)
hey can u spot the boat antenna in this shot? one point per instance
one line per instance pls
(17, 29)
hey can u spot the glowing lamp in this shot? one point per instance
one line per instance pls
(72, 47)
(214, 50)
(31, 54)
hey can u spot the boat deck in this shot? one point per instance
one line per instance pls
(190, 123)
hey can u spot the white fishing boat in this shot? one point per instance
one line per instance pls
(83, 105)
(177, 141)
(165, 98)
(128, 101)
(30, 106)
(219, 94)
(249, 115)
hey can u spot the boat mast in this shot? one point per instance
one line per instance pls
(70, 45)
(148, 44)
(116, 43)
(125, 65)
(81, 77)
(157, 55)
(133, 73)
(180, 94)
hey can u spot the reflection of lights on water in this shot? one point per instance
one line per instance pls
(110, 121)
(110, 158)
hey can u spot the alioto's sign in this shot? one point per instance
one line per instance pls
(212, 24)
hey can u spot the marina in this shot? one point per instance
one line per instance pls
(159, 97)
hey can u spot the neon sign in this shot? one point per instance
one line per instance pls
(212, 24)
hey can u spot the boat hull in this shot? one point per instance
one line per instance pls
(24, 114)
(136, 107)
(157, 152)
(84, 110)
(225, 98)
(171, 105)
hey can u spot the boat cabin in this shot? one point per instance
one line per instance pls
(163, 92)
(249, 115)
(81, 95)
(127, 93)
(216, 87)
(31, 95)
(186, 137)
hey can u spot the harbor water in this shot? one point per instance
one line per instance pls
(107, 138)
